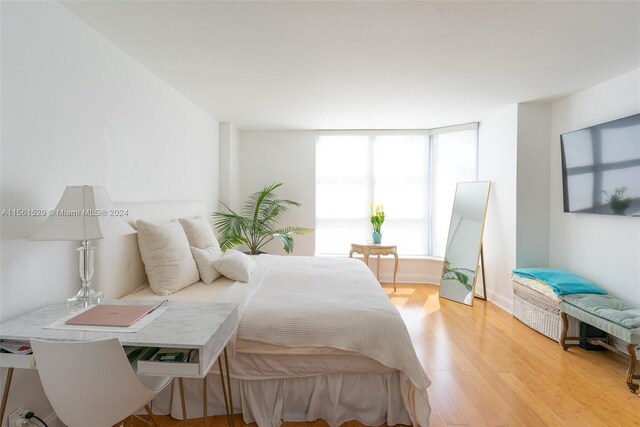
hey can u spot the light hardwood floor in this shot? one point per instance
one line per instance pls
(487, 368)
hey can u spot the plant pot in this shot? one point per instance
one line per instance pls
(377, 237)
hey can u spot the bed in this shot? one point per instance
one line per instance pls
(318, 337)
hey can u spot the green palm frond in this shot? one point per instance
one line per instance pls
(286, 240)
(300, 231)
(255, 224)
(285, 235)
(253, 204)
(461, 275)
(230, 242)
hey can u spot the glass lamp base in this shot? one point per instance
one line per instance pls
(85, 298)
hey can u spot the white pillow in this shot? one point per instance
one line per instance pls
(166, 255)
(204, 260)
(235, 265)
(199, 232)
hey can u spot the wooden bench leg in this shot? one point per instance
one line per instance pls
(563, 334)
(631, 349)
(565, 330)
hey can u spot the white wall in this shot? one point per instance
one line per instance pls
(514, 155)
(287, 157)
(498, 164)
(78, 110)
(605, 249)
(229, 165)
(532, 228)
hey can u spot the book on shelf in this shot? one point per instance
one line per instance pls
(135, 354)
(15, 347)
(172, 361)
(175, 357)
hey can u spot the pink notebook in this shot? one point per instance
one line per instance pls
(111, 315)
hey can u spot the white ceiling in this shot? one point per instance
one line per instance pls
(386, 65)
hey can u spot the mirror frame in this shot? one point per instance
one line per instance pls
(479, 250)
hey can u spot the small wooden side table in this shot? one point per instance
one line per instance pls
(368, 249)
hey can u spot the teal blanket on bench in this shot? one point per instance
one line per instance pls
(562, 282)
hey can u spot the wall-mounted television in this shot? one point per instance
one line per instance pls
(601, 168)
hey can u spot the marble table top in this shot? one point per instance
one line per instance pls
(183, 325)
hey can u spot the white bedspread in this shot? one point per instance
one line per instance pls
(329, 302)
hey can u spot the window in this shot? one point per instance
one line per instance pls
(412, 173)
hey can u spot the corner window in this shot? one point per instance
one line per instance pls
(412, 173)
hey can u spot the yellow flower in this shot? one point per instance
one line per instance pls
(377, 216)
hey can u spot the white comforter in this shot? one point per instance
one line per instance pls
(330, 302)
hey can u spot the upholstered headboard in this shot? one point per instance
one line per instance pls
(118, 267)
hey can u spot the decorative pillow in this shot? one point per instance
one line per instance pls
(199, 232)
(166, 255)
(235, 265)
(204, 260)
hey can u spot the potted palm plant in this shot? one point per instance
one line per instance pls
(256, 224)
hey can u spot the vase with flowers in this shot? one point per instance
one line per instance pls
(377, 218)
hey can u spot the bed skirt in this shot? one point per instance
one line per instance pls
(370, 398)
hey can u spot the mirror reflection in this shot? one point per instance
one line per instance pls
(464, 241)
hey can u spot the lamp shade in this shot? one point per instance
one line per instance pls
(83, 213)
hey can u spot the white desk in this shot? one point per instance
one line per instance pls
(205, 327)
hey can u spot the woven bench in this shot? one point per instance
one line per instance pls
(536, 305)
(616, 317)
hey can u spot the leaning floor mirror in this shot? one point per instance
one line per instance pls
(464, 242)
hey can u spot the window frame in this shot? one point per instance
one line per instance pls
(429, 134)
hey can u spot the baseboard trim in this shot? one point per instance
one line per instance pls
(411, 278)
(500, 300)
(53, 421)
(622, 346)
(428, 279)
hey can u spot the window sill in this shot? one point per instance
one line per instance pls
(402, 257)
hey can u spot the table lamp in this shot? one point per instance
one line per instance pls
(83, 213)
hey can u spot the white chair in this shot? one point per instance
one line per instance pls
(91, 383)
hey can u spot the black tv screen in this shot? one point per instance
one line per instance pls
(601, 168)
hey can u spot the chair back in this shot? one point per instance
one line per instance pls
(89, 383)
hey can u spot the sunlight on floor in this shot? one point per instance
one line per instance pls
(405, 291)
(400, 291)
(399, 302)
(431, 305)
